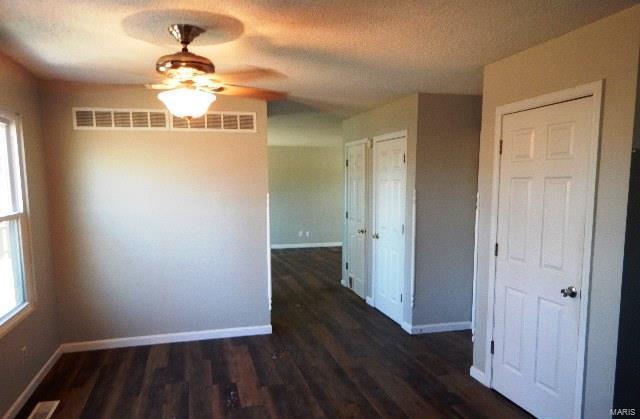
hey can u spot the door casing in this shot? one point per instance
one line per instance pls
(593, 89)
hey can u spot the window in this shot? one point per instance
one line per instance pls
(13, 285)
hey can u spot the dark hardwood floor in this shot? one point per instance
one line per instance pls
(330, 355)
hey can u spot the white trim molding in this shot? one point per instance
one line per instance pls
(166, 338)
(595, 90)
(33, 385)
(419, 329)
(305, 245)
(369, 300)
(270, 286)
(479, 376)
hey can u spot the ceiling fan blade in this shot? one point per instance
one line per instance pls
(244, 76)
(252, 92)
(166, 84)
(207, 82)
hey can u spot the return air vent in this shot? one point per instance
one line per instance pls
(119, 119)
(218, 121)
(145, 119)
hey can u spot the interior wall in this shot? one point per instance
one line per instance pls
(401, 114)
(38, 332)
(291, 126)
(305, 195)
(155, 231)
(446, 187)
(607, 49)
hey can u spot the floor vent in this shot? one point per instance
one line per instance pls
(119, 119)
(44, 410)
(218, 121)
(145, 119)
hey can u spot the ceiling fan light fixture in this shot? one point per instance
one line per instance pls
(187, 102)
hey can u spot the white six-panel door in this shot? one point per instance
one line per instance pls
(389, 176)
(356, 216)
(541, 227)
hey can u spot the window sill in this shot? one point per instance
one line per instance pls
(14, 318)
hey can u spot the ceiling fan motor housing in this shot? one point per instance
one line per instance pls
(184, 64)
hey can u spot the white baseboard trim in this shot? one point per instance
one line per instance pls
(305, 245)
(32, 386)
(407, 328)
(418, 329)
(479, 376)
(166, 338)
(369, 301)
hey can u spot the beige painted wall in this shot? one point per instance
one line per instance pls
(607, 49)
(39, 332)
(401, 114)
(446, 186)
(155, 231)
(305, 194)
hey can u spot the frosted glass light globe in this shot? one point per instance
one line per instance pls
(187, 103)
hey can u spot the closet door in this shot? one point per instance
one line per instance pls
(356, 165)
(389, 178)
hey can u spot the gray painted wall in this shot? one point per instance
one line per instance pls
(39, 330)
(305, 194)
(155, 231)
(605, 50)
(293, 128)
(446, 187)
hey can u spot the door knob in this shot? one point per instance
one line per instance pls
(375, 236)
(569, 292)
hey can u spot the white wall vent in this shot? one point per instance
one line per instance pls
(117, 119)
(218, 121)
(153, 119)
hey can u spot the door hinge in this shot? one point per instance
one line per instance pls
(346, 214)
(400, 297)
(404, 158)
(402, 228)
(496, 250)
(350, 282)
(500, 146)
(347, 163)
(346, 265)
(492, 347)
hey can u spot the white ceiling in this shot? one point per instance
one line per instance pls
(330, 54)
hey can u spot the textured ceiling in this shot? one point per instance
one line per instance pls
(339, 55)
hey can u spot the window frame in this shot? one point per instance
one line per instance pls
(14, 317)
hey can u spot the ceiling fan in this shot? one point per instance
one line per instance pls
(190, 83)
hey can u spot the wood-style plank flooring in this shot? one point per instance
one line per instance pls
(330, 355)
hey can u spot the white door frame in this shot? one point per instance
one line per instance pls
(345, 235)
(269, 285)
(377, 139)
(594, 90)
